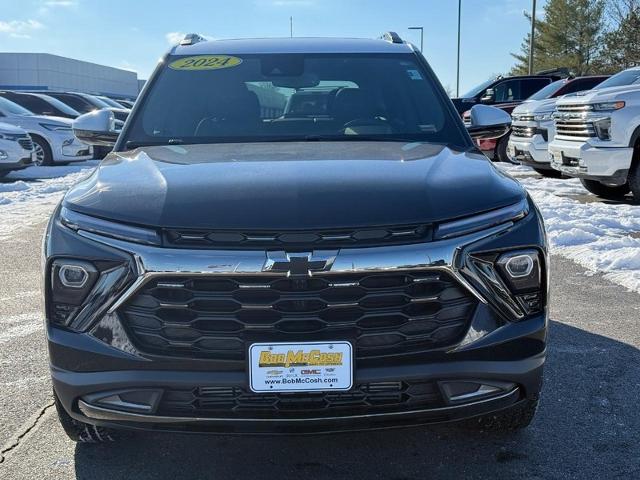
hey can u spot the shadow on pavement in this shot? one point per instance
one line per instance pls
(587, 427)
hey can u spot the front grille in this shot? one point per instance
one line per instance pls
(230, 402)
(523, 131)
(26, 143)
(382, 314)
(298, 239)
(574, 128)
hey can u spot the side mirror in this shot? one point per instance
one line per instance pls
(489, 96)
(488, 122)
(98, 127)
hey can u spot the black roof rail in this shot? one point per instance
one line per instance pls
(391, 37)
(564, 71)
(192, 38)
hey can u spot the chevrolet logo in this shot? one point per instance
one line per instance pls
(299, 264)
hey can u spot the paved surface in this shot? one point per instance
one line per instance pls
(588, 425)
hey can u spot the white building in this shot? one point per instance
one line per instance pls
(43, 71)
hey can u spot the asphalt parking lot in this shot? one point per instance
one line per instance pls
(588, 425)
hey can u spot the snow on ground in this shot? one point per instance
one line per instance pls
(28, 196)
(601, 236)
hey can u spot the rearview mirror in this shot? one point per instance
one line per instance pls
(99, 127)
(489, 96)
(488, 122)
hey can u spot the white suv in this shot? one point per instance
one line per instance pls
(15, 148)
(52, 137)
(598, 136)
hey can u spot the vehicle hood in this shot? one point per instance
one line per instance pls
(601, 94)
(32, 122)
(11, 129)
(536, 106)
(292, 186)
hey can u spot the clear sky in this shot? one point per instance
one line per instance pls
(133, 34)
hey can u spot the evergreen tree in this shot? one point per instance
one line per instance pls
(622, 42)
(570, 35)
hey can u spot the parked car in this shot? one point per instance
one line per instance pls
(598, 136)
(111, 102)
(125, 103)
(52, 137)
(532, 123)
(505, 93)
(15, 148)
(232, 272)
(41, 104)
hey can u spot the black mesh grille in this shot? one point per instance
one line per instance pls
(299, 239)
(26, 143)
(223, 402)
(218, 317)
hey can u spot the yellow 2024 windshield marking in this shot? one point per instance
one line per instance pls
(205, 62)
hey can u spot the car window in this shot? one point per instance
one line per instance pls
(626, 77)
(76, 103)
(294, 97)
(13, 108)
(60, 106)
(507, 91)
(32, 103)
(548, 91)
(529, 86)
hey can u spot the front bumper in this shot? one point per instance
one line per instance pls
(529, 151)
(104, 358)
(585, 160)
(68, 149)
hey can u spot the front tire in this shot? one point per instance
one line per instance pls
(509, 420)
(501, 154)
(79, 431)
(634, 175)
(605, 191)
(43, 156)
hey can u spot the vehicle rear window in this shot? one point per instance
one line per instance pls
(278, 97)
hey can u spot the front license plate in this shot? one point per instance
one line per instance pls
(300, 367)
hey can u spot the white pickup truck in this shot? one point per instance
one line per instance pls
(598, 136)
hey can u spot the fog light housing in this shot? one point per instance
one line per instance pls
(73, 276)
(519, 266)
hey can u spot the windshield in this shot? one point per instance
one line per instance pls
(626, 77)
(293, 97)
(95, 101)
(7, 106)
(63, 107)
(548, 91)
(478, 89)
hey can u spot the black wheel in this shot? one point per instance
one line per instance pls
(549, 173)
(501, 150)
(82, 432)
(42, 150)
(634, 175)
(511, 419)
(609, 192)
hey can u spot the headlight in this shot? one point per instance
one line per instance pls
(543, 117)
(485, 220)
(608, 106)
(56, 127)
(603, 128)
(78, 221)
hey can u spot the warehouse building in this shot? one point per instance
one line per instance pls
(43, 71)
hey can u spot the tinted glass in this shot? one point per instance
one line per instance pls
(60, 106)
(77, 103)
(581, 84)
(478, 89)
(31, 103)
(548, 91)
(507, 91)
(108, 101)
(626, 77)
(292, 97)
(529, 86)
(8, 106)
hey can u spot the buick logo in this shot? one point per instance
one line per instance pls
(300, 264)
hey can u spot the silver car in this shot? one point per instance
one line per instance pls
(54, 142)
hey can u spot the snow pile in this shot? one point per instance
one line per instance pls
(600, 236)
(28, 196)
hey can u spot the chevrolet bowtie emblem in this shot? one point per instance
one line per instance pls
(299, 264)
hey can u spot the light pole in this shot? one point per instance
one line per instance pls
(532, 41)
(458, 62)
(421, 35)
